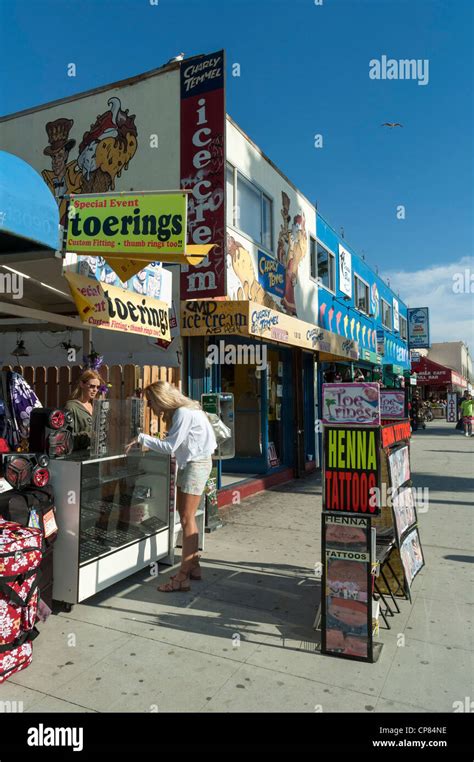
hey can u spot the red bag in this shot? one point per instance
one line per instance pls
(20, 557)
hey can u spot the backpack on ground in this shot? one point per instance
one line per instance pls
(20, 557)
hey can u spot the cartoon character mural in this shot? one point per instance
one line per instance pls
(245, 282)
(292, 247)
(63, 177)
(297, 248)
(105, 150)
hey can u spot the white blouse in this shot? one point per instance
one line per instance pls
(190, 437)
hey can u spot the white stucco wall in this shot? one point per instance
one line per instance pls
(244, 155)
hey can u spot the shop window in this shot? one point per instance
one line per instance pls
(361, 289)
(386, 315)
(313, 259)
(250, 209)
(267, 227)
(230, 196)
(326, 267)
(403, 329)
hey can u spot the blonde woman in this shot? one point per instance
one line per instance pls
(191, 440)
(80, 405)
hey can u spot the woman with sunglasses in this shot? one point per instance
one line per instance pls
(80, 405)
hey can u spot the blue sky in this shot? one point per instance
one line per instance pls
(304, 70)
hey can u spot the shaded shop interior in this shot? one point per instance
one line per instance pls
(272, 371)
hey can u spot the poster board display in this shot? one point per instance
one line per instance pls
(351, 469)
(399, 465)
(411, 554)
(346, 614)
(392, 404)
(404, 511)
(351, 404)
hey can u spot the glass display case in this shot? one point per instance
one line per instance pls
(114, 514)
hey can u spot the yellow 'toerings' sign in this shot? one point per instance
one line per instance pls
(116, 309)
(138, 226)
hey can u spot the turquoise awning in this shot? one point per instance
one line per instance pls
(29, 214)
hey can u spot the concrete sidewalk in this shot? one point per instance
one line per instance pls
(242, 640)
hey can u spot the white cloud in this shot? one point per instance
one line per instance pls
(451, 313)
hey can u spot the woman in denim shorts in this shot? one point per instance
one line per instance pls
(191, 440)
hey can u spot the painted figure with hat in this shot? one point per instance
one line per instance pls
(64, 177)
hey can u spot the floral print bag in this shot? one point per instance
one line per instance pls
(20, 557)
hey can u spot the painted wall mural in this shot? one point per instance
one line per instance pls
(104, 151)
(245, 276)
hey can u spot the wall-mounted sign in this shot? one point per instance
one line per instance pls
(202, 118)
(374, 301)
(452, 407)
(396, 315)
(345, 271)
(116, 309)
(392, 404)
(271, 274)
(419, 328)
(245, 318)
(141, 226)
(355, 403)
(351, 469)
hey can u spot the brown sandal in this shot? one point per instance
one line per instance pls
(194, 574)
(176, 585)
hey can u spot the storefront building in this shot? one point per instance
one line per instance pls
(357, 304)
(167, 129)
(267, 313)
(455, 355)
(435, 380)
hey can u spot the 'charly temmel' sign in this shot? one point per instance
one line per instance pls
(351, 404)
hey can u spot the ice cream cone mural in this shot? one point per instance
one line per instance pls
(330, 317)
(357, 331)
(322, 311)
(352, 327)
(346, 324)
(338, 320)
(364, 328)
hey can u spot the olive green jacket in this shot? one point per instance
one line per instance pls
(81, 424)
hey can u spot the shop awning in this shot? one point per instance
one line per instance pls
(252, 320)
(430, 373)
(29, 214)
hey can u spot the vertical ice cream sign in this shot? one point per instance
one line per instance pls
(351, 404)
(203, 170)
(345, 271)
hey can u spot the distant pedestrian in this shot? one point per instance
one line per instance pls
(467, 413)
(359, 377)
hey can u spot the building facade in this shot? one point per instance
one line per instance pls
(355, 302)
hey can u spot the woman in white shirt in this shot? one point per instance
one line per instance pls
(191, 440)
